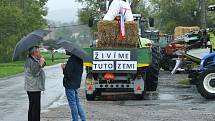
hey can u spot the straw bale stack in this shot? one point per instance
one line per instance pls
(179, 31)
(109, 35)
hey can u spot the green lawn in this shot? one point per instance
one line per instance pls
(184, 82)
(13, 68)
(57, 56)
(8, 69)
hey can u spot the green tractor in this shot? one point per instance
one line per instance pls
(123, 69)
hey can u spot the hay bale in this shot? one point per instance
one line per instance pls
(109, 35)
(179, 31)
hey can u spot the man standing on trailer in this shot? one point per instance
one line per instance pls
(117, 7)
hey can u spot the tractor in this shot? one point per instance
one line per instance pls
(124, 68)
(201, 52)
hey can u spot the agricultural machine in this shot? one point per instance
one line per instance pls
(123, 69)
(201, 52)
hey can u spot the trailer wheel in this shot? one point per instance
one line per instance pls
(90, 97)
(153, 71)
(206, 84)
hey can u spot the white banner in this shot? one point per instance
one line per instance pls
(126, 65)
(111, 55)
(103, 65)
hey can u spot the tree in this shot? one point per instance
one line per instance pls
(140, 7)
(96, 8)
(18, 18)
(211, 15)
(11, 22)
(172, 13)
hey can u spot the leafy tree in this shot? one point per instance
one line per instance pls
(34, 12)
(96, 8)
(140, 7)
(211, 15)
(172, 13)
(18, 18)
(11, 22)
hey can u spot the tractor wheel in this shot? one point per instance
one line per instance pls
(171, 64)
(164, 64)
(153, 71)
(90, 97)
(163, 61)
(206, 84)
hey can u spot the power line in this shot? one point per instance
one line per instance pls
(66, 26)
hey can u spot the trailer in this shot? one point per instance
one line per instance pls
(123, 69)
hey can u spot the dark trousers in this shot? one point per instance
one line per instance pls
(34, 106)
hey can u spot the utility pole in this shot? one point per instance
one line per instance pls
(49, 26)
(22, 4)
(203, 14)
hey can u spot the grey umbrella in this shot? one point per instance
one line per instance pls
(29, 41)
(74, 49)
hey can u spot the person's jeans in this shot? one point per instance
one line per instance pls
(76, 108)
(34, 106)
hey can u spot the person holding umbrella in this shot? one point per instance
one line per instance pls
(34, 82)
(34, 74)
(72, 71)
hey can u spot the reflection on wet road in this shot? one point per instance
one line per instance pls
(172, 102)
(13, 98)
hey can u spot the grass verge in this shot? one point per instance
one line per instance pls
(13, 68)
(184, 82)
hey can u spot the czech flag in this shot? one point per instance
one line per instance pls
(122, 28)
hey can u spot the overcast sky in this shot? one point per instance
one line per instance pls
(62, 4)
(63, 10)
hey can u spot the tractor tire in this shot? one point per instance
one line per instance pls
(171, 64)
(206, 84)
(164, 64)
(90, 97)
(153, 71)
(167, 64)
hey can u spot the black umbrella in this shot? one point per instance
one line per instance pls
(74, 49)
(29, 41)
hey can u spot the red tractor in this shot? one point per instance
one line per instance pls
(168, 51)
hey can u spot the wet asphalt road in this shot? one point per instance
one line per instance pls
(172, 102)
(14, 100)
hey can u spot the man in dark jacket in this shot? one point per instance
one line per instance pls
(72, 81)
